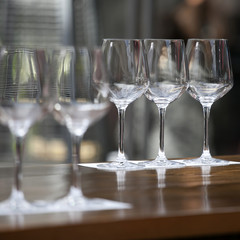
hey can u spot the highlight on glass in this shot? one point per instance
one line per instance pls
(168, 77)
(21, 99)
(79, 96)
(127, 68)
(210, 78)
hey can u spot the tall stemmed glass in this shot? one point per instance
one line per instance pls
(168, 80)
(126, 65)
(79, 89)
(210, 78)
(20, 107)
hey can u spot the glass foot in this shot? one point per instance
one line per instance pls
(206, 160)
(75, 201)
(16, 204)
(120, 165)
(162, 163)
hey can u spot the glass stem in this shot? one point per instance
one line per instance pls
(17, 187)
(121, 119)
(162, 112)
(206, 113)
(76, 142)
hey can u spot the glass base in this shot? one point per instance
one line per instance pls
(16, 204)
(162, 163)
(75, 201)
(206, 159)
(120, 165)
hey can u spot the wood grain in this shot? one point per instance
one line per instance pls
(180, 203)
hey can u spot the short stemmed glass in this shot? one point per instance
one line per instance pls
(20, 106)
(79, 93)
(210, 78)
(126, 65)
(167, 81)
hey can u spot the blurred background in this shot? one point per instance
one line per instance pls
(87, 22)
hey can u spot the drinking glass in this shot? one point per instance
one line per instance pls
(79, 94)
(168, 80)
(126, 65)
(20, 106)
(210, 78)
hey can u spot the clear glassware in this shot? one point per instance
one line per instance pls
(79, 96)
(126, 65)
(210, 78)
(168, 80)
(20, 106)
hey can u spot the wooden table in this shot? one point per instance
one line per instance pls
(180, 203)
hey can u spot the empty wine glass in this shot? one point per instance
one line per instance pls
(79, 94)
(126, 65)
(210, 78)
(20, 106)
(168, 80)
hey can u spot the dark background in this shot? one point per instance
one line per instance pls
(87, 22)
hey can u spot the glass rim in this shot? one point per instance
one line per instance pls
(208, 39)
(124, 39)
(165, 39)
(57, 47)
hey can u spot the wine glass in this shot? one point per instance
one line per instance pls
(210, 78)
(79, 94)
(168, 80)
(126, 65)
(20, 106)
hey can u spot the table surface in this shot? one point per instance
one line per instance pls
(182, 202)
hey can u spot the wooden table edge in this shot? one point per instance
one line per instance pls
(145, 228)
